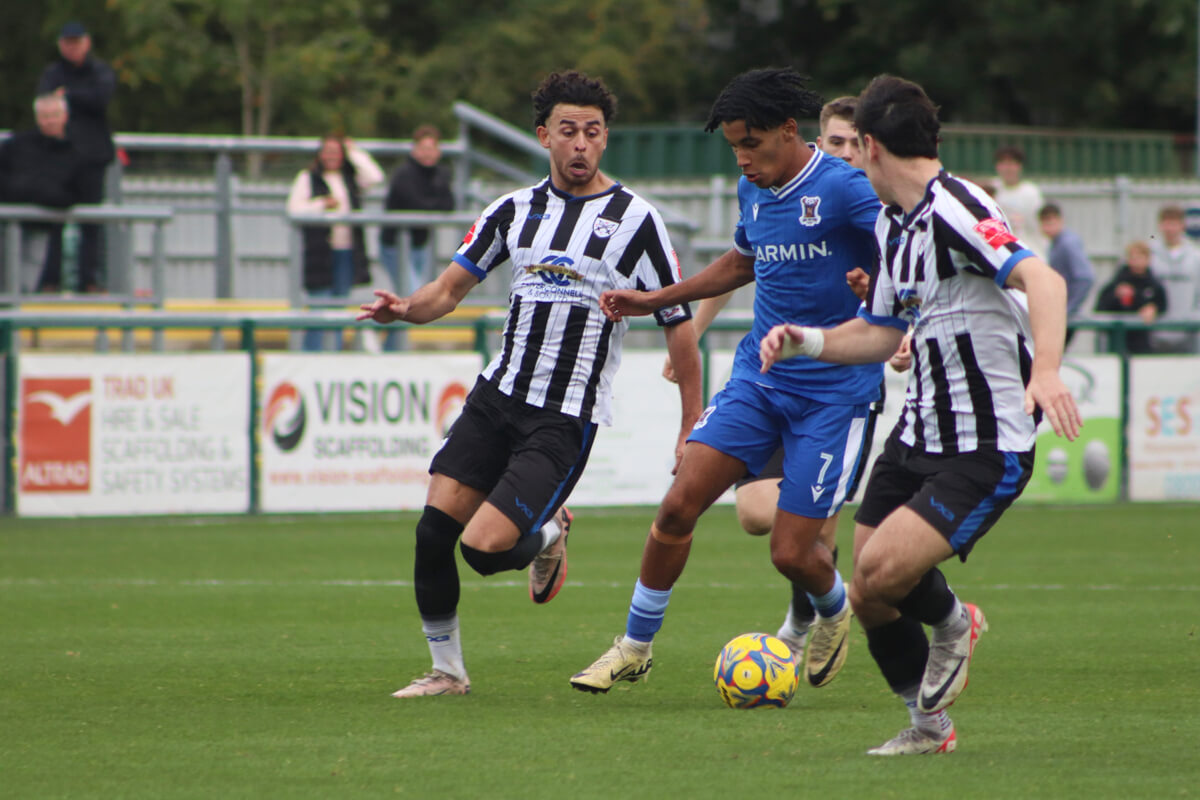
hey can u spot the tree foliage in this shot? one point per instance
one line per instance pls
(380, 67)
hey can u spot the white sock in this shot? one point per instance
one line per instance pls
(445, 645)
(550, 533)
(954, 624)
(791, 629)
(641, 648)
(936, 724)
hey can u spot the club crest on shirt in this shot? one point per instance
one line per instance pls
(812, 215)
(604, 228)
(995, 232)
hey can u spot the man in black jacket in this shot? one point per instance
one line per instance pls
(87, 84)
(43, 168)
(421, 183)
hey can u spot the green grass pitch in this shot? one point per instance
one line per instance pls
(254, 657)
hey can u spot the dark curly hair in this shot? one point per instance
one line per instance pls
(765, 99)
(573, 88)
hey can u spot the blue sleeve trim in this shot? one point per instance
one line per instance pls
(1013, 260)
(875, 319)
(468, 265)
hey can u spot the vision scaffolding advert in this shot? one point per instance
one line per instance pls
(356, 432)
(146, 434)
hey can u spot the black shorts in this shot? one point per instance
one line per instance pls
(526, 459)
(773, 470)
(961, 495)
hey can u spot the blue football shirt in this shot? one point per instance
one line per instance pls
(804, 237)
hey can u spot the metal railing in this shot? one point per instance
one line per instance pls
(120, 283)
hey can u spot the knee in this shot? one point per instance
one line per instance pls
(793, 559)
(874, 580)
(753, 520)
(483, 562)
(677, 515)
(437, 532)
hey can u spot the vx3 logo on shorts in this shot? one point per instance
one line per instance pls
(941, 509)
(526, 510)
(556, 271)
(817, 490)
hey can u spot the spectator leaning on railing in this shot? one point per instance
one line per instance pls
(87, 84)
(1175, 260)
(41, 167)
(1135, 290)
(335, 256)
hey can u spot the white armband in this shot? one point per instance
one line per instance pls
(811, 346)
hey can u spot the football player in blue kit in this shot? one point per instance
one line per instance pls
(806, 219)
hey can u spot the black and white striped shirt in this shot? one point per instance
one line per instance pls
(559, 351)
(943, 271)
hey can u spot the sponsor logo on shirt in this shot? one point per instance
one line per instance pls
(471, 233)
(994, 232)
(555, 270)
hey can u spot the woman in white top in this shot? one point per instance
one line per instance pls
(335, 256)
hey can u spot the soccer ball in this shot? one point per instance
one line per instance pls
(756, 670)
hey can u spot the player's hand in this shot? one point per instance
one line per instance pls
(771, 349)
(386, 307)
(668, 371)
(901, 360)
(620, 303)
(859, 282)
(1047, 391)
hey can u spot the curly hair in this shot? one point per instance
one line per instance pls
(765, 99)
(573, 88)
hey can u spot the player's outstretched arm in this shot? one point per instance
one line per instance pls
(855, 341)
(685, 356)
(1047, 293)
(432, 301)
(726, 273)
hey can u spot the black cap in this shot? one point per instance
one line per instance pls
(72, 30)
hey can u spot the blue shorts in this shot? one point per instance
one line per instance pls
(822, 442)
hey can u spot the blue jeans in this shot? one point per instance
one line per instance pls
(342, 280)
(418, 276)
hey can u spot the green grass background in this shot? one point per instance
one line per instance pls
(254, 657)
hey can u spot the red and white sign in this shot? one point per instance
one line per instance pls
(343, 432)
(994, 232)
(146, 434)
(55, 435)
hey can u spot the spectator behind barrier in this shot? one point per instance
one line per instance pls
(1068, 258)
(1175, 260)
(1135, 290)
(335, 256)
(1019, 199)
(87, 84)
(43, 168)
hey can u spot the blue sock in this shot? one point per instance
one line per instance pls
(832, 602)
(646, 612)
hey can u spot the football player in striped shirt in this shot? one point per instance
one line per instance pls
(512, 458)
(989, 319)
(806, 219)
